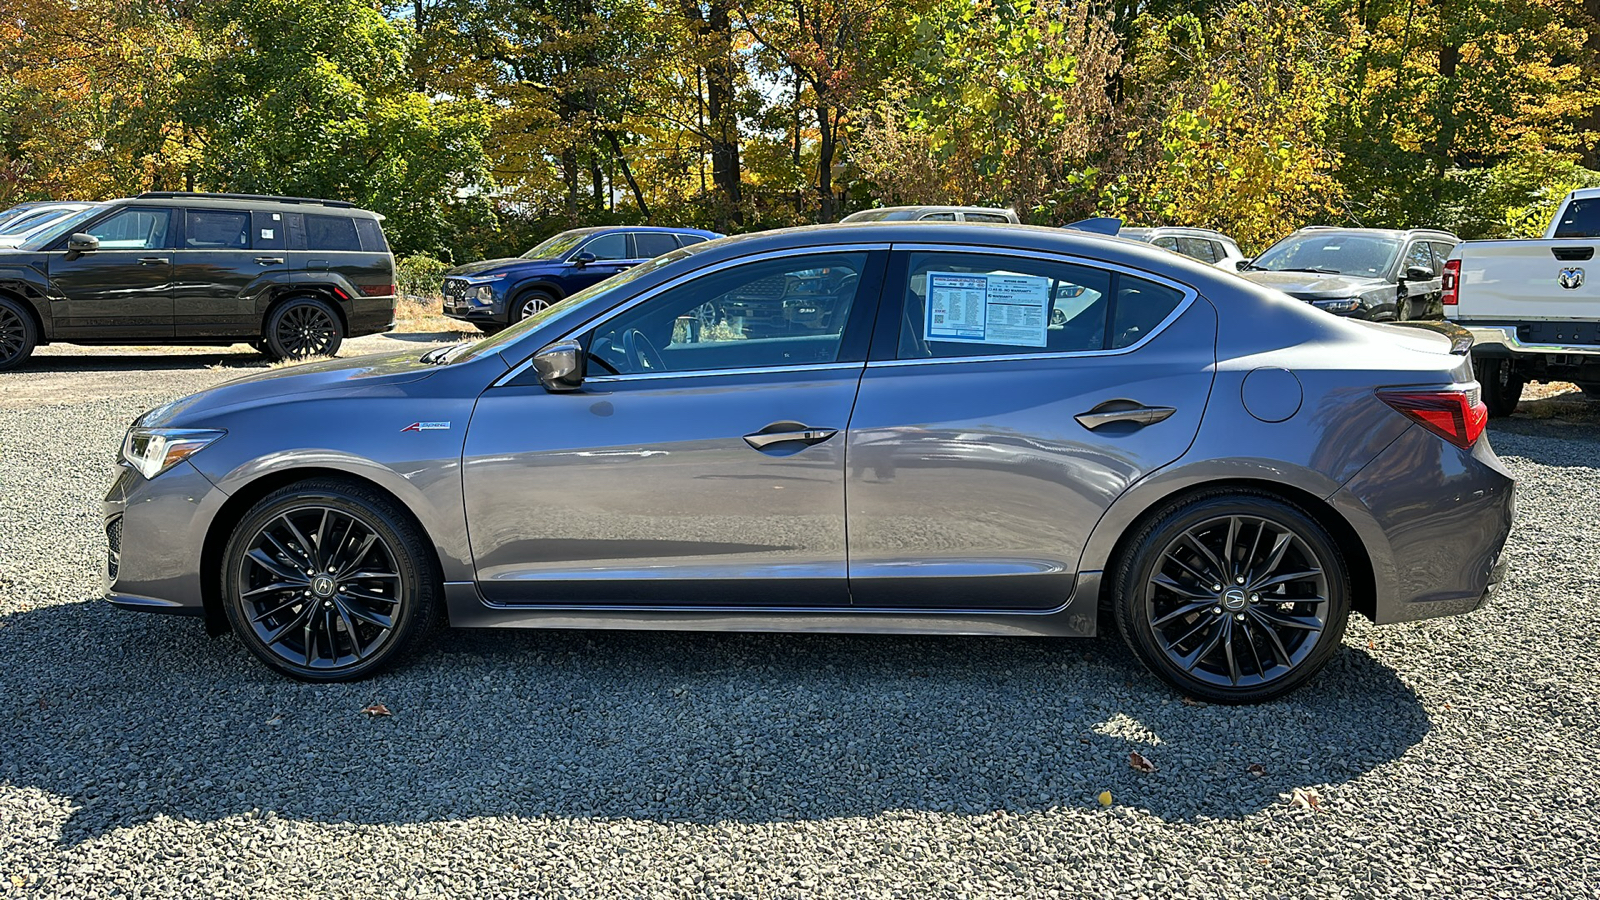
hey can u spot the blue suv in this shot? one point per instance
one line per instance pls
(500, 292)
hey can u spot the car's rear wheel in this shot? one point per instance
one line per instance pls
(529, 303)
(1233, 597)
(18, 335)
(1502, 385)
(301, 328)
(328, 580)
(1590, 390)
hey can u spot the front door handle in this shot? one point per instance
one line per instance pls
(270, 260)
(152, 260)
(788, 432)
(1113, 411)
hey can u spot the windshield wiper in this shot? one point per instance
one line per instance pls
(1313, 269)
(441, 355)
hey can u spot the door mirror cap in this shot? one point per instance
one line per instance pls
(1419, 273)
(560, 366)
(582, 258)
(82, 243)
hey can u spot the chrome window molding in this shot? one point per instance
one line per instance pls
(708, 373)
(589, 323)
(1190, 295)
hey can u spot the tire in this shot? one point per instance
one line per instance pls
(1501, 384)
(365, 623)
(302, 327)
(1258, 637)
(529, 302)
(1402, 309)
(1591, 390)
(18, 334)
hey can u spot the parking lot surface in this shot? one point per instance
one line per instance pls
(140, 758)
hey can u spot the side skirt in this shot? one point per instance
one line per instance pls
(1077, 618)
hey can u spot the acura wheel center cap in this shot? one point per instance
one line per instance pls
(322, 586)
(1233, 599)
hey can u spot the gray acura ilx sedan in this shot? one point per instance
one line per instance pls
(883, 427)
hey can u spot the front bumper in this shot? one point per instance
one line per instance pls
(1502, 341)
(458, 306)
(155, 534)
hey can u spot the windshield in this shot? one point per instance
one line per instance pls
(597, 294)
(30, 221)
(61, 226)
(1330, 254)
(556, 247)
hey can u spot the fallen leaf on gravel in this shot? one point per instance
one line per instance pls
(1304, 798)
(1190, 701)
(1371, 645)
(1137, 760)
(1257, 769)
(1104, 798)
(376, 709)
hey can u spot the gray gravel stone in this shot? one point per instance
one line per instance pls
(140, 758)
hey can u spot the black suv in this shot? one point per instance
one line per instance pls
(291, 276)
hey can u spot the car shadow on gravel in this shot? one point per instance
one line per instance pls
(131, 717)
(141, 363)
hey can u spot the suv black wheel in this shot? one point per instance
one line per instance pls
(1233, 597)
(18, 336)
(302, 327)
(1502, 385)
(328, 580)
(528, 303)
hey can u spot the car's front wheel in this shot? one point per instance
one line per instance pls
(328, 580)
(530, 303)
(302, 328)
(1233, 597)
(18, 336)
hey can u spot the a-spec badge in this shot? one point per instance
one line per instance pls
(426, 426)
(1571, 279)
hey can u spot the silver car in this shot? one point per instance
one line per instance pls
(926, 446)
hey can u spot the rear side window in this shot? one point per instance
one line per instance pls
(986, 217)
(651, 244)
(1581, 219)
(1140, 306)
(215, 229)
(371, 235)
(1441, 252)
(937, 217)
(1166, 243)
(685, 240)
(267, 231)
(1197, 248)
(331, 233)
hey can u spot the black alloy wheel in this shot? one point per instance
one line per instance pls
(328, 581)
(303, 328)
(1235, 599)
(17, 334)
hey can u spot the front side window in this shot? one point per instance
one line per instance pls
(1166, 243)
(216, 230)
(608, 246)
(975, 305)
(779, 312)
(1581, 219)
(133, 229)
(1330, 254)
(1420, 254)
(331, 233)
(937, 217)
(651, 244)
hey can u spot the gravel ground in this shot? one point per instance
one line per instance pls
(139, 758)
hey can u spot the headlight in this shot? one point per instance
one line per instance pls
(155, 450)
(1347, 305)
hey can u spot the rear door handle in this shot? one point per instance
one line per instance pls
(270, 260)
(152, 260)
(1113, 411)
(788, 432)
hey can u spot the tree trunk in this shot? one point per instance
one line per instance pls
(826, 147)
(569, 174)
(627, 174)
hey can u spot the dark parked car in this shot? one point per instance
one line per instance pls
(1364, 273)
(496, 293)
(292, 276)
(1228, 472)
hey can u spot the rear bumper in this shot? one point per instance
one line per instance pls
(1502, 341)
(371, 315)
(1434, 520)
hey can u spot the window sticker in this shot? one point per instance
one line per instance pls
(276, 217)
(987, 308)
(266, 234)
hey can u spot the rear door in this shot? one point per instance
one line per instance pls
(648, 245)
(226, 258)
(124, 289)
(989, 437)
(336, 255)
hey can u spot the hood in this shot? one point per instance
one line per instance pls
(490, 265)
(358, 374)
(1312, 286)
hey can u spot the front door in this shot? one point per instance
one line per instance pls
(612, 253)
(697, 466)
(1013, 401)
(123, 289)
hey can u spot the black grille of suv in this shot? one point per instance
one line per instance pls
(454, 289)
(113, 546)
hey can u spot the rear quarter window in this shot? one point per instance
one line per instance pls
(331, 233)
(1581, 219)
(371, 236)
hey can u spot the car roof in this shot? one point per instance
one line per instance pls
(1588, 193)
(662, 229)
(1177, 230)
(934, 207)
(1395, 233)
(262, 203)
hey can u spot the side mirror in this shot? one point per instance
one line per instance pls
(560, 366)
(82, 243)
(1419, 273)
(583, 259)
(1243, 264)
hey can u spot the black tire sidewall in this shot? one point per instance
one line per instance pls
(269, 335)
(523, 299)
(1500, 398)
(1134, 570)
(30, 334)
(416, 567)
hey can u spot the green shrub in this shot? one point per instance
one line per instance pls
(420, 275)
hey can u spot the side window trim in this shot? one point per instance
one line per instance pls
(886, 336)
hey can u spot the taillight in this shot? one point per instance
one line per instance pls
(1455, 414)
(1452, 282)
(377, 290)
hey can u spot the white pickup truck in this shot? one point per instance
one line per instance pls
(1533, 306)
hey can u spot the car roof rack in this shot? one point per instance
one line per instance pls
(266, 198)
